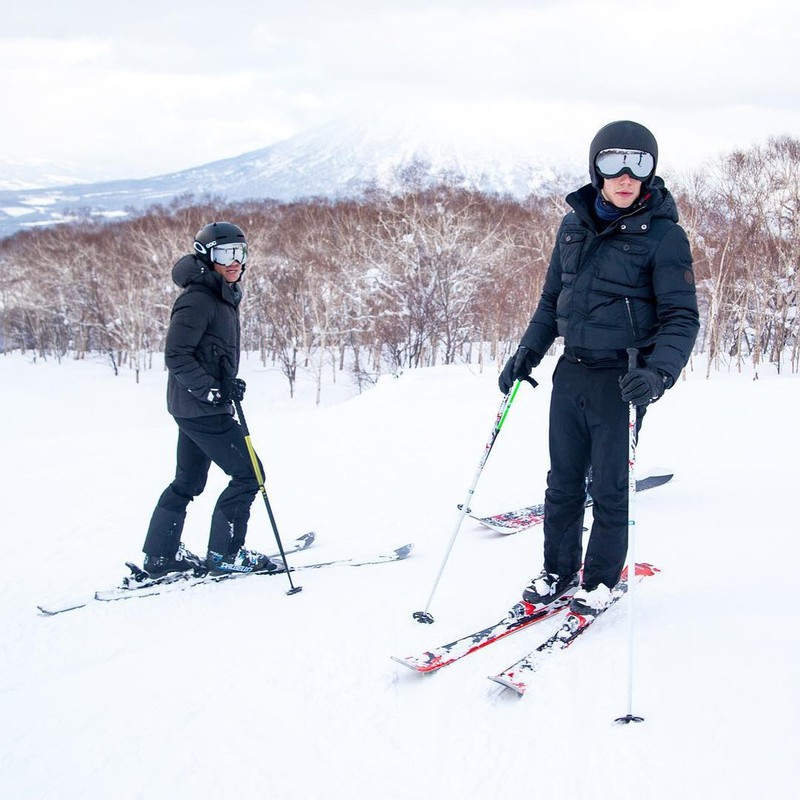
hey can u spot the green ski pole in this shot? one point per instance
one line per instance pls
(464, 509)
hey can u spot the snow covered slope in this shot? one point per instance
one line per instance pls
(239, 690)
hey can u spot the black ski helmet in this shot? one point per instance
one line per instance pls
(216, 233)
(622, 134)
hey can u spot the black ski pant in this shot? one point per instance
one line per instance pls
(201, 441)
(588, 429)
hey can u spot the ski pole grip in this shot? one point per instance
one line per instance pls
(633, 358)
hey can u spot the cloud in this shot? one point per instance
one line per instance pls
(154, 87)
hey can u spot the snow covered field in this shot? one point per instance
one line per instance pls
(239, 690)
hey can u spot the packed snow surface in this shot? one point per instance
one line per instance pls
(239, 690)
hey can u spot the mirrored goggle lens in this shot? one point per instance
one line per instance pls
(612, 163)
(226, 254)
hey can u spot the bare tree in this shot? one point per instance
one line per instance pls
(435, 274)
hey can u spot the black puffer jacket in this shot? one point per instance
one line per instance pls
(202, 340)
(629, 284)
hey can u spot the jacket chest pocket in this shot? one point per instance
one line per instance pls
(570, 244)
(624, 261)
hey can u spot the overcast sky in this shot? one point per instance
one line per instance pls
(132, 89)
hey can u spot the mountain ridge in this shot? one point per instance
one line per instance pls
(333, 161)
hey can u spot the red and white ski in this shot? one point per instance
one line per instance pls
(519, 675)
(523, 616)
(523, 518)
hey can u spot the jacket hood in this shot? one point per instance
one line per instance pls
(190, 270)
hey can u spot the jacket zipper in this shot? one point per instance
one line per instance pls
(631, 321)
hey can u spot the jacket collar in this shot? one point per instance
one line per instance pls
(657, 202)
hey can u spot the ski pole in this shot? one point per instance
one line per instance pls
(633, 356)
(464, 509)
(260, 479)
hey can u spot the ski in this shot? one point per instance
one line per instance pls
(138, 584)
(523, 518)
(518, 676)
(298, 545)
(179, 581)
(523, 615)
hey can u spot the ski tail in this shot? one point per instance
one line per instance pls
(521, 519)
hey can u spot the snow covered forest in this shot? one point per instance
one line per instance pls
(435, 275)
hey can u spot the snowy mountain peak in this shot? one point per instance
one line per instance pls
(339, 159)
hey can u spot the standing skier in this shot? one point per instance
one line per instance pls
(202, 356)
(620, 277)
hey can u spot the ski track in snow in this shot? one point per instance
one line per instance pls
(240, 689)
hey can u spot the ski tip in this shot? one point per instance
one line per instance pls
(503, 530)
(404, 551)
(51, 612)
(652, 481)
(510, 522)
(421, 665)
(306, 540)
(507, 683)
(406, 663)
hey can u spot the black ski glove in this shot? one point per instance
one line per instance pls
(230, 389)
(642, 386)
(517, 368)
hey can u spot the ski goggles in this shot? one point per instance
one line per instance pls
(613, 163)
(226, 254)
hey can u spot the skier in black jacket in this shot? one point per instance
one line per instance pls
(202, 356)
(620, 277)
